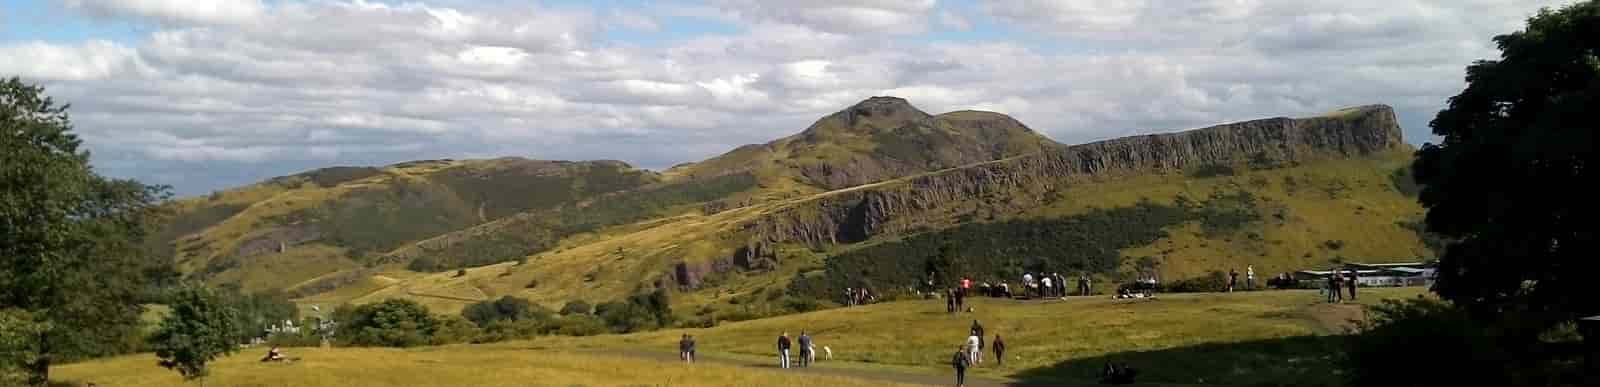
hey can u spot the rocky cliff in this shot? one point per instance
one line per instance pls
(853, 215)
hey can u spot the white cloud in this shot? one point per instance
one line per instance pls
(954, 21)
(91, 60)
(301, 84)
(175, 11)
(854, 16)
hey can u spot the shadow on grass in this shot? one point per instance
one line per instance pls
(1302, 361)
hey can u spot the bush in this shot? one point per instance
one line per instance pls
(507, 308)
(579, 325)
(637, 313)
(424, 265)
(1215, 281)
(576, 307)
(461, 273)
(1459, 351)
(397, 323)
(1212, 170)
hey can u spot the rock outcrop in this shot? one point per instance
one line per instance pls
(854, 215)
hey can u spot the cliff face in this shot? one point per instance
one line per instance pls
(857, 214)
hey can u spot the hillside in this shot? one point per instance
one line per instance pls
(863, 197)
(290, 229)
(1281, 194)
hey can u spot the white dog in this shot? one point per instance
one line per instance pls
(827, 353)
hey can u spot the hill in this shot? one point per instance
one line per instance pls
(861, 198)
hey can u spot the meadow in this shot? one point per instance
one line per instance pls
(1243, 338)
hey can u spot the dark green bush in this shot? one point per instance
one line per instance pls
(576, 307)
(1212, 170)
(398, 323)
(506, 308)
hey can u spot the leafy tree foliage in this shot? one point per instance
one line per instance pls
(1512, 182)
(507, 308)
(638, 312)
(391, 323)
(69, 238)
(576, 307)
(257, 311)
(200, 329)
(19, 331)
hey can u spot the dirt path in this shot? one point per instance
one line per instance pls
(946, 379)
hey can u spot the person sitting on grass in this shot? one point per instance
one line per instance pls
(273, 355)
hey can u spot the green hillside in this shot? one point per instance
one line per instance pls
(863, 197)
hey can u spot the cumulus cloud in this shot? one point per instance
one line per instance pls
(225, 93)
(175, 11)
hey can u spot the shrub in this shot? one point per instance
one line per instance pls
(453, 329)
(424, 264)
(576, 307)
(461, 273)
(507, 308)
(1215, 281)
(637, 313)
(1212, 170)
(579, 325)
(391, 323)
(1460, 351)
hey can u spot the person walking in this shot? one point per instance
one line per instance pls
(805, 349)
(1044, 287)
(972, 349)
(999, 349)
(1233, 279)
(686, 349)
(1333, 288)
(1061, 284)
(1351, 283)
(783, 350)
(1088, 284)
(960, 362)
(1250, 277)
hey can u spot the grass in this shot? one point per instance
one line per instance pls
(1245, 338)
(438, 366)
(1239, 334)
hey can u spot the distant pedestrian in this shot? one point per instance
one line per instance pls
(972, 348)
(960, 362)
(1332, 287)
(686, 349)
(1233, 279)
(1351, 283)
(1061, 284)
(999, 349)
(1250, 277)
(783, 350)
(806, 352)
(960, 300)
(966, 286)
(949, 300)
(1088, 284)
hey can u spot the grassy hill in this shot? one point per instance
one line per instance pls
(863, 197)
(1245, 338)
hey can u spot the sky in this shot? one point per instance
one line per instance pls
(204, 95)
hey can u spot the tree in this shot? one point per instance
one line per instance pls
(1512, 180)
(200, 329)
(579, 307)
(506, 308)
(18, 343)
(391, 323)
(1511, 186)
(69, 238)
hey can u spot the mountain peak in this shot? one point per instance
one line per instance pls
(886, 112)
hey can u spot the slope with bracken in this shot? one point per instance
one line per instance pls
(1278, 193)
(278, 233)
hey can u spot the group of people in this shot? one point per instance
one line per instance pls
(1249, 278)
(686, 348)
(1051, 285)
(808, 350)
(1337, 280)
(970, 353)
(858, 296)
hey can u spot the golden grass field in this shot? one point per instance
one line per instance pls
(1244, 337)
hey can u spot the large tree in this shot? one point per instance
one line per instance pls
(1513, 180)
(68, 237)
